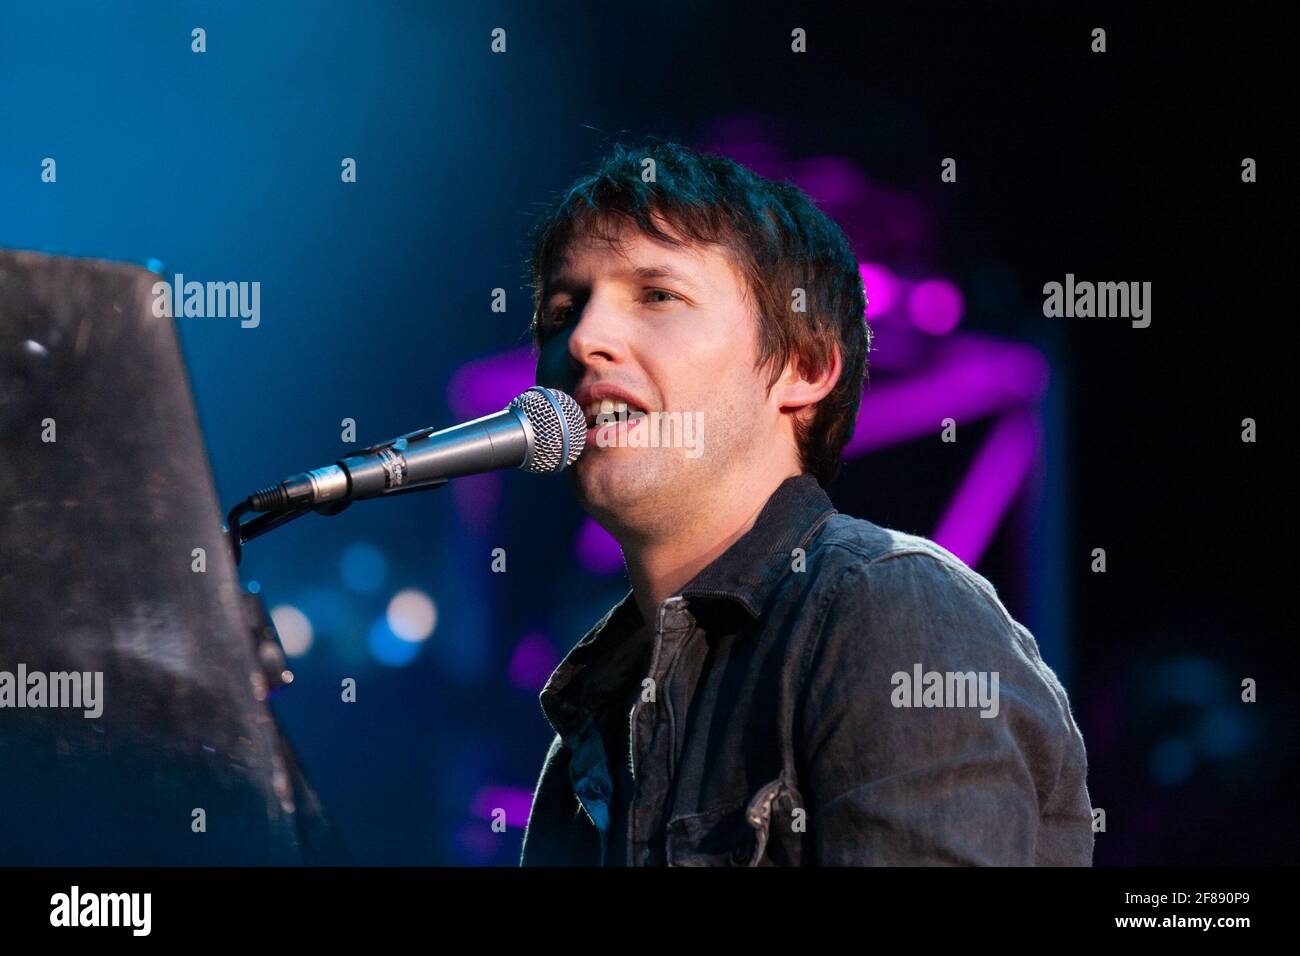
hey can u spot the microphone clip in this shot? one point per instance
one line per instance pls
(241, 532)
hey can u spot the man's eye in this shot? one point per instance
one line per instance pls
(657, 292)
(558, 315)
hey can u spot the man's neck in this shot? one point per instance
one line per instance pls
(660, 566)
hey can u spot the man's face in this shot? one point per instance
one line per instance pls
(665, 329)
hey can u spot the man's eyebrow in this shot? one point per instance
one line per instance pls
(558, 284)
(664, 272)
(562, 283)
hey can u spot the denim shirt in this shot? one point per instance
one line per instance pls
(826, 692)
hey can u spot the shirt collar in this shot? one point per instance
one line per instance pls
(756, 563)
(745, 574)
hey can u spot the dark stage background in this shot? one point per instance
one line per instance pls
(1073, 433)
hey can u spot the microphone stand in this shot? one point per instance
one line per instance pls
(241, 534)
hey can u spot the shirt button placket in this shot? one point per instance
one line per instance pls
(654, 728)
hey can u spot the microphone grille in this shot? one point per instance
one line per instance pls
(558, 423)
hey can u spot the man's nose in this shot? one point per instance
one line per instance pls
(600, 333)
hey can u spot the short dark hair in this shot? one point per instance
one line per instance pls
(778, 239)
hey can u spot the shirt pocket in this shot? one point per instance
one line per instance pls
(733, 834)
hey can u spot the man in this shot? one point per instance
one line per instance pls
(783, 684)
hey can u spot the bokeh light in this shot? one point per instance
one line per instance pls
(597, 550)
(294, 629)
(387, 648)
(936, 306)
(533, 662)
(412, 615)
(881, 287)
(1172, 761)
(363, 567)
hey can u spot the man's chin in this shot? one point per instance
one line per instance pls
(609, 485)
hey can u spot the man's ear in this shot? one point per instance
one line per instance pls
(799, 387)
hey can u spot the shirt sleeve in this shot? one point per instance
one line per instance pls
(929, 730)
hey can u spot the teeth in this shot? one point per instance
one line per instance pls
(608, 406)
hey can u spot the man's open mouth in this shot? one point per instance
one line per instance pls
(610, 412)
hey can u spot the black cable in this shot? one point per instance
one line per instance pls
(273, 504)
(232, 527)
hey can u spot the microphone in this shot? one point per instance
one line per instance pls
(541, 431)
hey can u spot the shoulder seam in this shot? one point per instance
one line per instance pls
(962, 572)
(968, 577)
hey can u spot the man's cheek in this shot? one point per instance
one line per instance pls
(553, 364)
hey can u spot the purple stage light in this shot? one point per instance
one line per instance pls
(990, 486)
(533, 662)
(748, 139)
(476, 499)
(515, 802)
(881, 287)
(488, 385)
(936, 306)
(477, 842)
(972, 378)
(897, 348)
(831, 180)
(597, 549)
